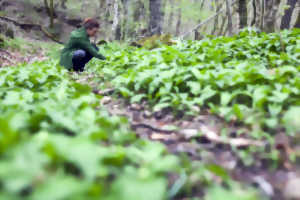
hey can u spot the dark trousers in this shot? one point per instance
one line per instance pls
(81, 58)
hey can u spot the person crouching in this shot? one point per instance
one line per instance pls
(78, 51)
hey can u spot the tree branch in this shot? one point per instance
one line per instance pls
(205, 22)
(32, 26)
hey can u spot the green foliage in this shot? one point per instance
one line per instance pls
(55, 144)
(236, 193)
(155, 41)
(247, 78)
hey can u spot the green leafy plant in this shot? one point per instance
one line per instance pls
(247, 78)
(55, 144)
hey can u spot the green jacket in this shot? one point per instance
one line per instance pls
(78, 40)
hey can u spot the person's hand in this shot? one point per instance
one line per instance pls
(94, 45)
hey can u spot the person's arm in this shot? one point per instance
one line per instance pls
(87, 46)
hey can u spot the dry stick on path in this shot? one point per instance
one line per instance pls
(205, 22)
(207, 133)
(152, 128)
(32, 26)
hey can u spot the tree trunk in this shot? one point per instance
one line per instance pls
(138, 17)
(108, 17)
(109, 10)
(228, 13)
(216, 22)
(202, 3)
(222, 26)
(258, 13)
(63, 4)
(178, 24)
(254, 13)
(272, 8)
(51, 14)
(137, 13)
(286, 19)
(50, 11)
(197, 34)
(156, 17)
(262, 17)
(115, 29)
(101, 9)
(83, 6)
(297, 25)
(243, 13)
(47, 7)
(125, 6)
(171, 17)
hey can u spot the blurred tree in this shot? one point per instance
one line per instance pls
(50, 11)
(116, 25)
(242, 10)
(253, 22)
(286, 19)
(272, 9)
(216, 22)
(297, 25)
(125, 18)
(171, 16)
(229, 17)
(156, 17)
(63, 4)
(262, 15)
(178, 24)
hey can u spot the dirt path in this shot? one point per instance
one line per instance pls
(13, 58)
(201, 138)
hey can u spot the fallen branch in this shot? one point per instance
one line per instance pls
(105, 92)
(4, 51)
(205, 21)
(32, 26)
(5, 58)
(236, 142)
(142, 125)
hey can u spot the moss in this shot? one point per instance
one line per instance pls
(10, 33)
(1, 41)
(155, 41)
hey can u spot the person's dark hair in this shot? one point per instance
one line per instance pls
(90, 23)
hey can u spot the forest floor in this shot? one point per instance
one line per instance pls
(12, 58)
(198, 138)
(194, 136)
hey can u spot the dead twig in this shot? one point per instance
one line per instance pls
(147, 126)
(105, 92)
(236, 142)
